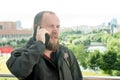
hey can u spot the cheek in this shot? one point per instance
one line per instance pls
(49, 30)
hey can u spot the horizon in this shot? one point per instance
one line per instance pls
(71, 13)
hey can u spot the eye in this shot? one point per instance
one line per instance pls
(58, 26)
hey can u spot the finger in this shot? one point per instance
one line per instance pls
(44, 30)
(38, 28)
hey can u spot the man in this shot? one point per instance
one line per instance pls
(41, 60)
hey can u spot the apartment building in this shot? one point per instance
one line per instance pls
(12, 30)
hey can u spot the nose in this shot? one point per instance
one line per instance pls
(55, 30)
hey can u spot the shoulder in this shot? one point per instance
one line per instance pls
(68, 54)
(64, 48)
(66, 51)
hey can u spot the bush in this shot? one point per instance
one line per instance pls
(115, 73)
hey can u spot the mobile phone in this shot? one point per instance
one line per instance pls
(47, 37)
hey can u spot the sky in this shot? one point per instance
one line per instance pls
(70, 12)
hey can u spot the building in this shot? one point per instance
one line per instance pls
(6, 49)
(9, 31)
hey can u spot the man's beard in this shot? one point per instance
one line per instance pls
(52, 46)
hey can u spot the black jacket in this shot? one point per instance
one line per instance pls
(29, 63)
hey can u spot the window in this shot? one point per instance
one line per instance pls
(1, 27)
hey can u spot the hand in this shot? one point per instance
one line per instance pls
(40, 35)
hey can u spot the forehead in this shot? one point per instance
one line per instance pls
(49, 17)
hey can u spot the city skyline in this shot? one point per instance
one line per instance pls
(71, 13)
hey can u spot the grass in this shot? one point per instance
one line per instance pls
(85, 73)
(3, 67)
(8, 79)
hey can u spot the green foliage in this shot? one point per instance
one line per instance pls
(117, 35)
(87, 42)
(117, 64)
(15, 43)
(105, 38)
(116, 73)
(80, 53)
(94, 60)
(97, 37)
(8, 79)
(114, 44)
(76, 41)
(108, 60)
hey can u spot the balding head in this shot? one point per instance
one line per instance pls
(39, 16)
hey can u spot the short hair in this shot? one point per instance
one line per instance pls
(37, 21)
(38, 18)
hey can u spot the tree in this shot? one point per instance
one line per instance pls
(117, 63)
(94, 60)
(80, 53)
(108, 60)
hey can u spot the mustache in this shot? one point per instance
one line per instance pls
(54, 35)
